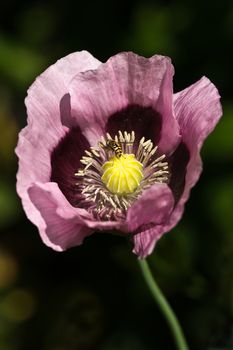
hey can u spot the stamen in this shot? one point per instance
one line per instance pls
(112, 178)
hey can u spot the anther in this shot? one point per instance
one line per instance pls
(113, 177)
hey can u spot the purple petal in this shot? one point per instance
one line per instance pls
(60, 225)
(44, 130)
(151, 210)
(144, 242)
(65, 161)
(198, 110)
(44, 100)
(178, 162)
(124, 80)
(34, 152)
(170, 133)
(145, 121)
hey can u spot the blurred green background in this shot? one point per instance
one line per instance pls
(93, 296)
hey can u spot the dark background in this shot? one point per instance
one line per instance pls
(93, 296)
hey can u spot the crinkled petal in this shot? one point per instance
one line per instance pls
(147, 215)
(124, 80)
(144, 242)
(60, 225)
(107, 226)
(46, 113)
(46, 104)
(170, 133)
(197, 110)
(44, 129)
(153, 207)
(34, 155)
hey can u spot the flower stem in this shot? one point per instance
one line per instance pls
(164, 306)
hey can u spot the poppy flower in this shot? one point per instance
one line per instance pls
(110, 147)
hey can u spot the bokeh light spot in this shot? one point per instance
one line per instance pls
(18, 305)
(8, 269)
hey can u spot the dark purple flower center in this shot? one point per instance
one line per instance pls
(178, 162)
(145, 121)
(65, 161)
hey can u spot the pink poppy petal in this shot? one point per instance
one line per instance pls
(44, 130)
(144, 242)
(170, 133)
(44, 100)
(37, 163)
(107, 226)
(46, 104)
(152, 208)
(124, 80)
(60, 225)
(197, 110)
(34, 160)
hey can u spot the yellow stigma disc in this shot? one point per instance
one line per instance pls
(122, 175)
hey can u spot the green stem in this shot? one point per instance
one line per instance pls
(164, 307)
